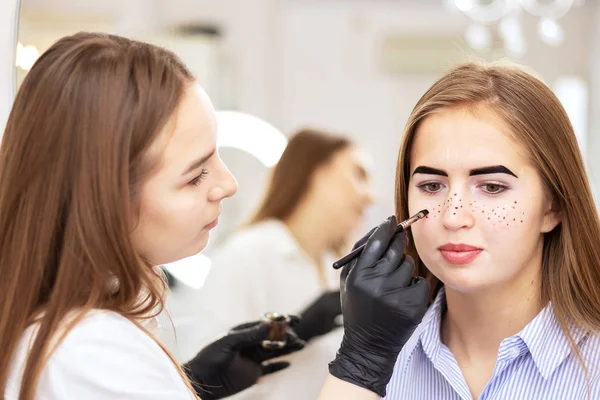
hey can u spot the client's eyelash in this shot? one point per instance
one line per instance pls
(437, 187)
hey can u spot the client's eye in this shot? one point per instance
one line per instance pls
(493, 188)
(430, 187)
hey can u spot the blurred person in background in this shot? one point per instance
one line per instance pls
(281, 260)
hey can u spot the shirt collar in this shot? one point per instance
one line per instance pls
(547, 343)
(430, 338)
(543, 338)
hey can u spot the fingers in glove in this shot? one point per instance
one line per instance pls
(420, 290)
(413, 300)
(392, 258)
(402, 275)
(293, 344)
(269, 368)
(344, 274)
(294, 320)
(378, 243)
(247, 337)
(244, 326)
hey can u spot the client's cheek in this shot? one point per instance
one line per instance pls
(423, 234)
(436, 208)
(505, 215)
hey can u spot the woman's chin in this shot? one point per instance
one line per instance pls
(463, 281)
(202, 243)
(194, 249)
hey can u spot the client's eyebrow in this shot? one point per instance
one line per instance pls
(429, 171)
(494, 169)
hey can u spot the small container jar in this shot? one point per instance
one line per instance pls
(279, 324)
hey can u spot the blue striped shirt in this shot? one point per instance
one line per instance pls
(536, 363)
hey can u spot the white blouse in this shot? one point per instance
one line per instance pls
(104, 357)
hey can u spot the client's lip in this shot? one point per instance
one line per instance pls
(458, 247)
(459, 253)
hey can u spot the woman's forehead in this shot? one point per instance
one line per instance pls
(190, 132)
(460, 139)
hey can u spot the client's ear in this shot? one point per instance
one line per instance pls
(552, 217)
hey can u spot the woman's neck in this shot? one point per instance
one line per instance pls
(310, 231)
(475, 324)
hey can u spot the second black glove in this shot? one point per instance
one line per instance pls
(236, 361)
(320, 316)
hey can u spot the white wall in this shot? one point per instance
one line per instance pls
(593, 145)
(8, 11)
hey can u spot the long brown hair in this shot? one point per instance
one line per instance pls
(306, 151)
(73, 158)
(537, 120)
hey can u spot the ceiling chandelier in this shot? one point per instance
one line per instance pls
(506, 15)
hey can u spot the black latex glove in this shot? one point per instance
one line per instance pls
(319, 317)
(237, 360)
(382, 304)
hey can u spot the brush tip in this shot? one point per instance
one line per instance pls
(424, 213)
